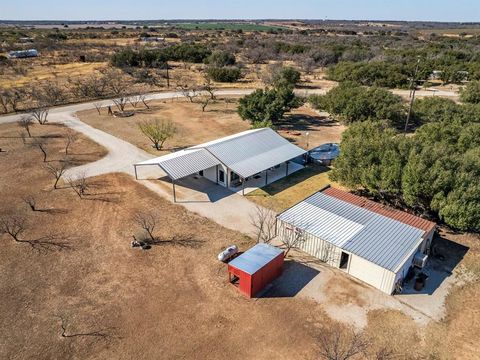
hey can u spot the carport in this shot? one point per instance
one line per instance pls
(253, 156)
(182, 164)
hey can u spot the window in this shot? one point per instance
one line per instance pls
(234, 177)
(221, 176)
(344, 260)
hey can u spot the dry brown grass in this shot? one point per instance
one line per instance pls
(456, 336)
(193, 125)
(38, 72)
(172, 301)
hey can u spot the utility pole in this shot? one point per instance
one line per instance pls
(168, 75)
(413, 88)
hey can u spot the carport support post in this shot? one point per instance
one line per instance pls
(174, 195)
(135, 167)
(243, 186)
(266, 177)
(286, 170)
(217, 172)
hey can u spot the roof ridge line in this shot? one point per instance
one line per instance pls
(232, 137)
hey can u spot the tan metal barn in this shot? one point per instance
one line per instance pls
(369, 241)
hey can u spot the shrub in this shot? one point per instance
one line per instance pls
(224, 74)
(221, 59)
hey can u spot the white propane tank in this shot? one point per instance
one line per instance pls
(227, 253)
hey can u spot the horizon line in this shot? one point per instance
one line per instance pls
(239, 19)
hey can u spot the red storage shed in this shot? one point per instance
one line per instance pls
(255, 268)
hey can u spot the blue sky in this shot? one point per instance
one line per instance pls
(427, 10)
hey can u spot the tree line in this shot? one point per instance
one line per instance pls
(436, 172)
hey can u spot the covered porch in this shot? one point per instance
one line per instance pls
(244, 186)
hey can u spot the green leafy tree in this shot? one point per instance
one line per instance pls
(435, 172)
(471, 93)
(286, 76)
(372, 157)
(350, 103)
(267, 106)
(381, 74)
(157, 131)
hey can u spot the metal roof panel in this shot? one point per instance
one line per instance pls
(365, 233)
(255, 258)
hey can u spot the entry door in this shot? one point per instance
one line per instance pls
(221, 176)
(366, 271)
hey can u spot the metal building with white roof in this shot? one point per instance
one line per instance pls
(252, 156)
(371, 242)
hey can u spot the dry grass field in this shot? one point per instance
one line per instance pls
(172, 301)
(193, 126)
(40, 71)
(219, 119)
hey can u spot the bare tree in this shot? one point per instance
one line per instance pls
(143, 99)
(205, 100)
(57, 169)
(13, 224)
(158, 131)
(45, 96)
(4, 94)
(41, 144)
(209, 88)
(384, 353)
(188, 91)
(10, 99)
(31, 202)
(134, 100)
(70, 138)
(264, 222)
(328, 253)
(26, 122)
(118, 85)
(147, 222)
(341, 344)
(256, 55)
(98, 107)
(292, 237)
(121, 103)
(40, 113)
(78, 184)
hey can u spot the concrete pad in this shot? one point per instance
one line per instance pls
(344, 298)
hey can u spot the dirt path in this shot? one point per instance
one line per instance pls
(120, 159)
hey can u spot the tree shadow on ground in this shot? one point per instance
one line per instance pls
(294, 278)
(304, 122)
(188, 241)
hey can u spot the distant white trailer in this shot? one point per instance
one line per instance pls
(23, 54)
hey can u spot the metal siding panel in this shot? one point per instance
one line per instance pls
(380, 239)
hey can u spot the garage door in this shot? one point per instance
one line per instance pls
(366, 271)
